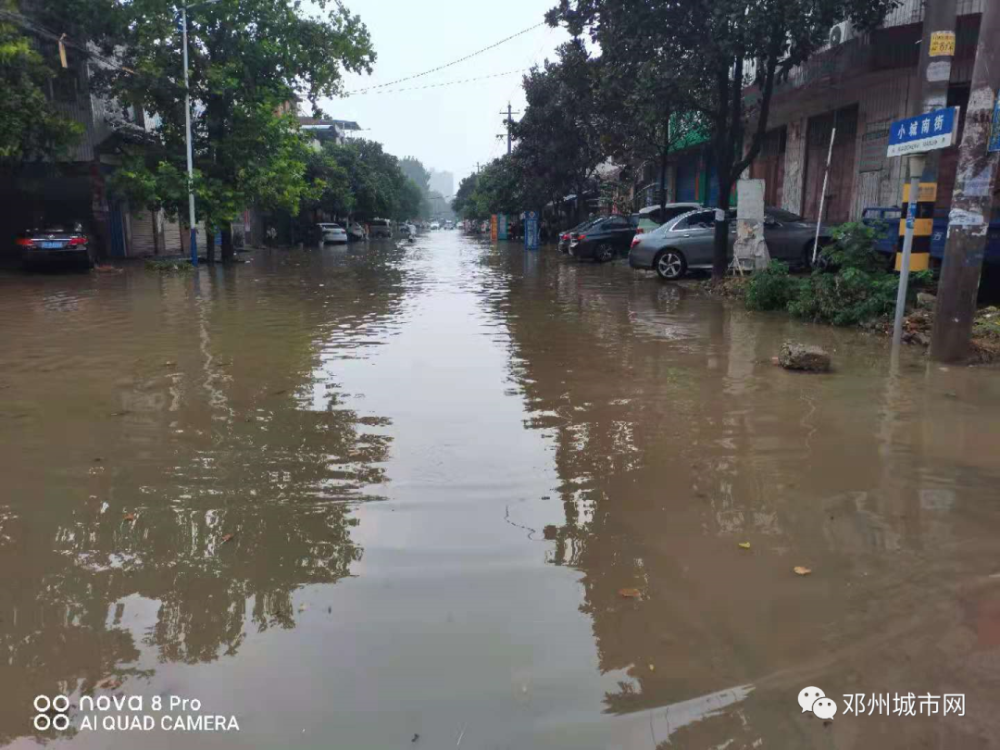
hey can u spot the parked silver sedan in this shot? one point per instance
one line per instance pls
(686, 242)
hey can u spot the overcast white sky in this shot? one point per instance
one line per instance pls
(451, 127)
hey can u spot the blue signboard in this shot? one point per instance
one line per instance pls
(531, 230)
(501, 226)
(994, 142)
(927, 132)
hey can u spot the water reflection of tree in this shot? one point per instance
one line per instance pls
(643, 395)
(276, 464)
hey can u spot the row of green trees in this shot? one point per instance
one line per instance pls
(252, 64)
(655, 77)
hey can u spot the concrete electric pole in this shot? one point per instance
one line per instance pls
(969, 219)
(509, 121)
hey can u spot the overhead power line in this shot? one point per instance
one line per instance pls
(30, 25)
(446, 65)
(438, 85)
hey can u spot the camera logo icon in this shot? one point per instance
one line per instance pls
(46, 706)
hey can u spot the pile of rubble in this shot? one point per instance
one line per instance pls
(985, 329)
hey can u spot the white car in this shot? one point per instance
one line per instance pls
(357, 231)
(333, 233)
(435, 225)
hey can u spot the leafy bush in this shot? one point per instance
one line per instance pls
(169, 264)
(853, 287)
(849, 297)
(853, 246)
(771, 289)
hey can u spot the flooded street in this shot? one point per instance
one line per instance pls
(381, 497)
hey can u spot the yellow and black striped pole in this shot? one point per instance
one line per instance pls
(923, 226)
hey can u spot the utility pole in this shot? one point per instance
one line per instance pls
(509, 121)
(190, 157)
(972, 202)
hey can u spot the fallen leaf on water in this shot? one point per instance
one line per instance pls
(129, 517)
(744, 545)
(109, 683)
(226, 538)
(630, 593)
(802, 570)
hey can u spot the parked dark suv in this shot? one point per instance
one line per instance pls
(566, 237)
(604, 240)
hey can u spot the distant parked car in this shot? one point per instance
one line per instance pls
(687, 241)
(55, 243)
(566, 237)
(652, 217)
(379, 229)
(356, 231)
(435, 225)
(331, 232)
(604, 239)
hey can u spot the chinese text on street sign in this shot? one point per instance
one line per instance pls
(925, 132)
(531, 230)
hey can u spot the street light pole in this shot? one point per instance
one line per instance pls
(190, 154)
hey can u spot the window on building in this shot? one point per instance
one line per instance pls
(65, 86)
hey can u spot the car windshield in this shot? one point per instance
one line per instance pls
(780, 214)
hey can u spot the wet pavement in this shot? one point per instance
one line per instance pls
(440, 466)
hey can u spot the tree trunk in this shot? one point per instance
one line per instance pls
(663, 179)
(720, 249)
(228, 252)
(154, 215)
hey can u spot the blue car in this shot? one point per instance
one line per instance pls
(888, 242)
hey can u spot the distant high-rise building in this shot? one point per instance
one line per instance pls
(443, 182)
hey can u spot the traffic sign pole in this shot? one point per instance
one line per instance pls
(916, 169)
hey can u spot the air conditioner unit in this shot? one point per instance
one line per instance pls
(840, 33)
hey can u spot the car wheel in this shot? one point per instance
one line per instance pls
(807, 254)
(604, 252)
(670, 265)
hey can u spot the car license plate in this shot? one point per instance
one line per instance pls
(51, 245)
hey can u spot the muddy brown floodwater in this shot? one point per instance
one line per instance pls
(440, 465)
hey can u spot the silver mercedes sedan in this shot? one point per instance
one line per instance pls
(686, 242)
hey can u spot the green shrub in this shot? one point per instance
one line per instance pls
(169, 264)
(771, 289)
(853, 246)
(854, 288)
(849, 297)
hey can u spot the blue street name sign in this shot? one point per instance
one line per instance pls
(928, 132)
(531, 230)
(994, 143)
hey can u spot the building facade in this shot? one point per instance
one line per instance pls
(858, 84)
